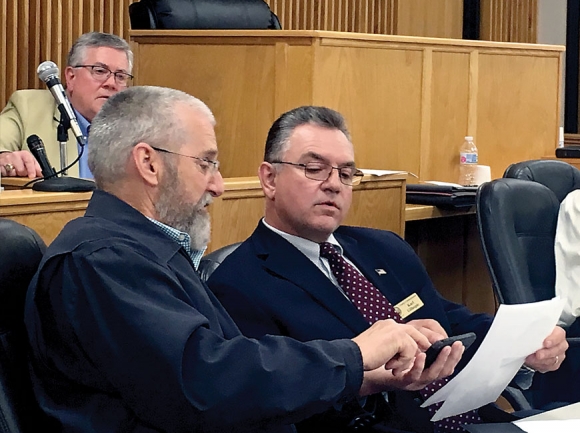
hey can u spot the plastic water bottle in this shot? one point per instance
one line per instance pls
(467, 162)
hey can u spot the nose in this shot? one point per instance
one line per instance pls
(111, 82)
(333, 182)
(216, 184)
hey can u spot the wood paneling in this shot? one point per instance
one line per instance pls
(363, 16)
(36, 30)
(509, 20)
(45, 212)
(441, 18)
(377, 203)
(408, 101)
(33, 31)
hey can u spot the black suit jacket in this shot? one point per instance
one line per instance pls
(269, 287)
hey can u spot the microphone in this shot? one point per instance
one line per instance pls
(51, 182)
(36, 146)
(48, 72)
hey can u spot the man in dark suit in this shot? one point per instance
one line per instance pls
(280, 280)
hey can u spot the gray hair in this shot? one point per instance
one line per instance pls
(138, 114)
(76, 55)
(282, 128)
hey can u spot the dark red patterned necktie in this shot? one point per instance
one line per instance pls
(373, 306)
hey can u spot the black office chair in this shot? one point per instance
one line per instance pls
(202, 14)
(211, 261)
(20, 252)
(558, 176)
(517, 226)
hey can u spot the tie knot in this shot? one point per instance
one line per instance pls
(328, 250)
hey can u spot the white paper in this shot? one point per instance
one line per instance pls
(374, 172)
(571, 411)
(516, 332)
(550, 426)
(436, 182)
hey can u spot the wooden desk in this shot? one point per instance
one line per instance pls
(45, 212)
(11, 183)
(408, 101)
(446, 241)
(378, 202)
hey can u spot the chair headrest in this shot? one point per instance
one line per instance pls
(21, 250)
(202, 14)
(211, 261)
(558, 176)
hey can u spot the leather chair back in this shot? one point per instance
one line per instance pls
(558, 176)
(20, 252)
(517, 225)
(211, 261)
(202, 14)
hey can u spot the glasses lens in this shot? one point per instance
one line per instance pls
(100, 72)
(122, 78)
(317, 170)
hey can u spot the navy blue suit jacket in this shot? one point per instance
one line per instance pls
(269, 287)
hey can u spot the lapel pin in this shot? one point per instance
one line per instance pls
(381, 271)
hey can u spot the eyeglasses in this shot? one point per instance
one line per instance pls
(102, 73)
(206, 165)
(321, 171)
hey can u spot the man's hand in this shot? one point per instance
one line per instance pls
(551, 355)
(20, 163)
(417, 377)
(390, 345)
(429, 328)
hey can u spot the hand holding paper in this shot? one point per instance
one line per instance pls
(516, 332)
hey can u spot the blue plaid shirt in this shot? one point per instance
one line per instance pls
(182, 239)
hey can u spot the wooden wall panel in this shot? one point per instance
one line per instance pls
(37, 30)
(509, 20)
(408, 101)
(442, 18)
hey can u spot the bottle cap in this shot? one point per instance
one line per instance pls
(469, 138)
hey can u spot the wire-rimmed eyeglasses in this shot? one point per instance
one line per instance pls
(206, 165)
(322, 171)
(102, 73)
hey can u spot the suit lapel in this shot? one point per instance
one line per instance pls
(280, 257)
(371, 265)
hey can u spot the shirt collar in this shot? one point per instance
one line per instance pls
(83, 123)
(309, 248)
(182, 239)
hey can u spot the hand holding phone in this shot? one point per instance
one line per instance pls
(433, 351)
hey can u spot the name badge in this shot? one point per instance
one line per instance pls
(409, 305)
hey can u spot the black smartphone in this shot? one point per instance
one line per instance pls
(433, 351)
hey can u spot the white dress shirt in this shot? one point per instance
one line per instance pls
(567, 252)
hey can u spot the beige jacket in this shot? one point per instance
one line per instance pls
(34, 112)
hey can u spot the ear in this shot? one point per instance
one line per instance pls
(148, 163)
(267, 176)
(69, 74)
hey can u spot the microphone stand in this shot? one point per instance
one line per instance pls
(62, 138)
(65, 183)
